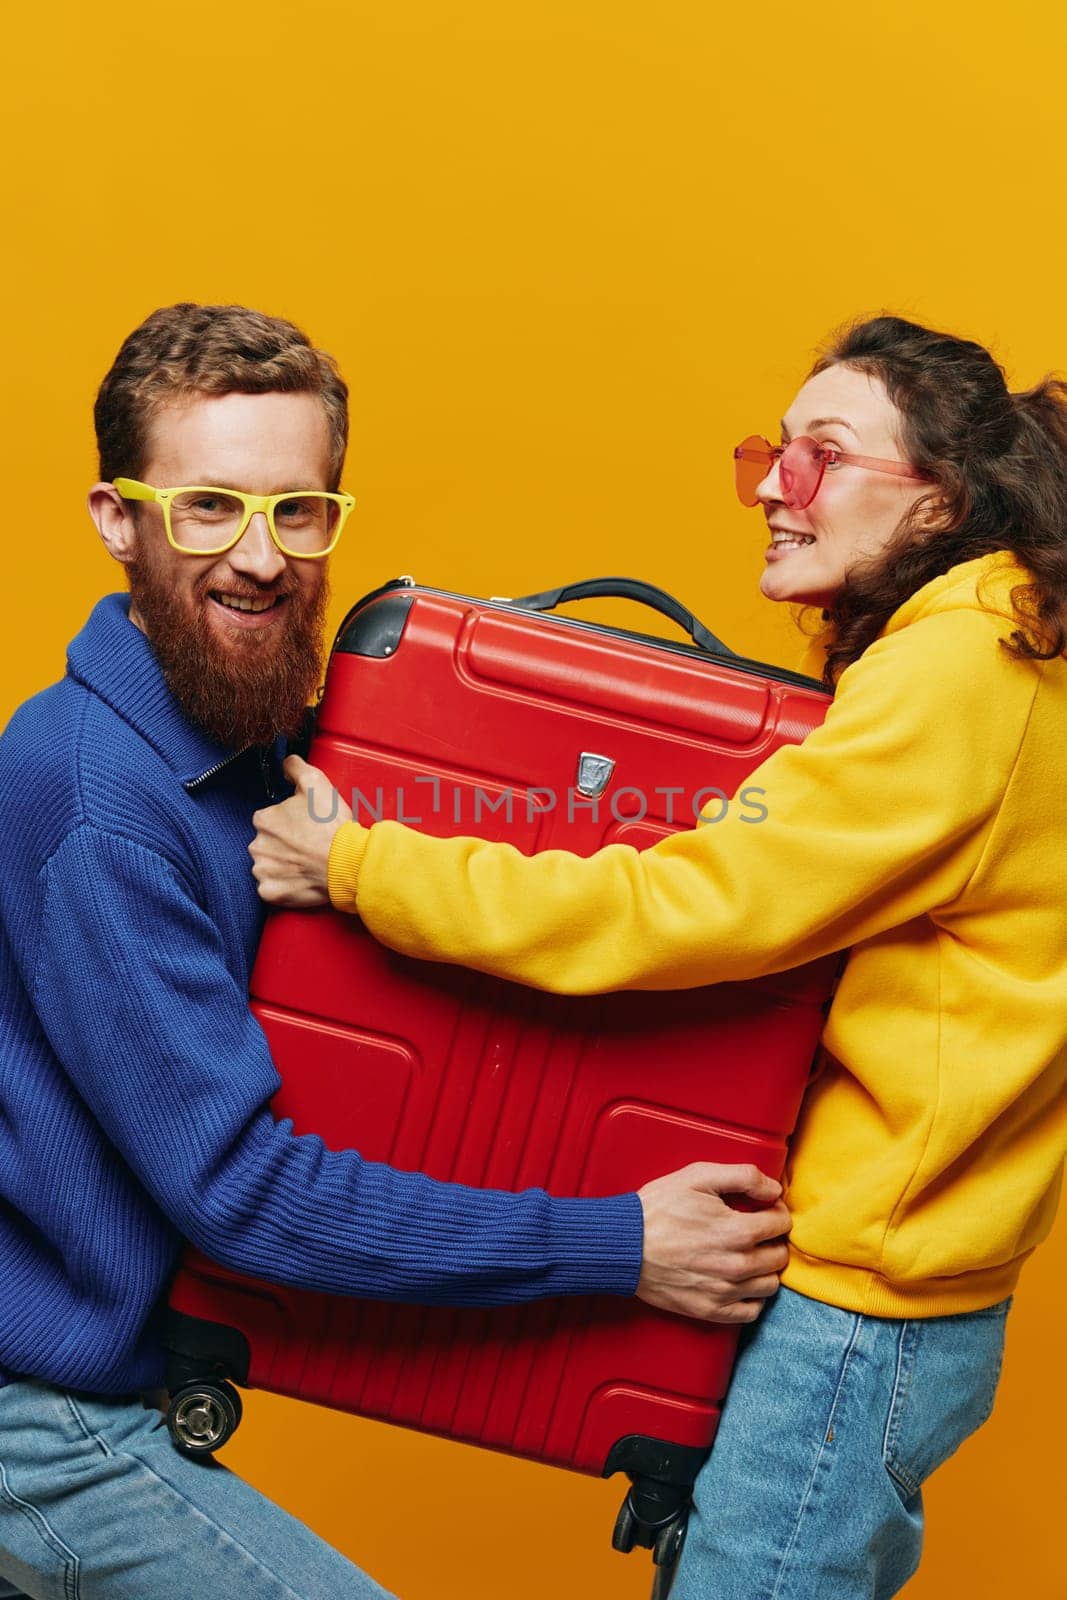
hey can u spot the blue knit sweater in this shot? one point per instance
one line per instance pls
(134, 1081)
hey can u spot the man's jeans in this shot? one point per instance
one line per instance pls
(96, 1504)
(832, 1423)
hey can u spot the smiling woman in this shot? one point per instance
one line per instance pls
(922, 829)
(802, 462)
(848, 505)
(988, 472)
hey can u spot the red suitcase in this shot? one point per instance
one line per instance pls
(491, 718)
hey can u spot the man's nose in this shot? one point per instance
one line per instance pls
(255, 554)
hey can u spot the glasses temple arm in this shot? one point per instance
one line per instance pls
(130, 489)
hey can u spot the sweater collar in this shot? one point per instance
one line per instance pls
(114, 659)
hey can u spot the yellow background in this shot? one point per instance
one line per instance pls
(567, 253)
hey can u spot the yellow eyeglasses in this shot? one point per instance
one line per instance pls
(203, 521)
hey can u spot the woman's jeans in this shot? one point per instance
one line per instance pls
(831, 1425)
(96, 1504)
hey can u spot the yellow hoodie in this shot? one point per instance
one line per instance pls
(924, 825)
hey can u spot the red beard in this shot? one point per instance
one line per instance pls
(243, 693)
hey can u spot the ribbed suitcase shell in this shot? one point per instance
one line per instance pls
(440, 1070)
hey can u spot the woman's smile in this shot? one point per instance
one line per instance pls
(785, 539)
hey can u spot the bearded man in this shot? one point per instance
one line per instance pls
(135, 1085)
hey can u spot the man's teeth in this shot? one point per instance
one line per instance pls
(241, 603)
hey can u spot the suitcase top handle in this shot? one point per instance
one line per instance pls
(628, 589)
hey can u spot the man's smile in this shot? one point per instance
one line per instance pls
(244, 611)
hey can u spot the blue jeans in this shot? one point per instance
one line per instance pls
(96, 1504)
(832, 1423)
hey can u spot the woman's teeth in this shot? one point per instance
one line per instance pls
(792, 541)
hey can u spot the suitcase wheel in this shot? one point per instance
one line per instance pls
(203, 1416)
(665, 1540)
(665, 1553)
(625, 1528)
(669, 1542)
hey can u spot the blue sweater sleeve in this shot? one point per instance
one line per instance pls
(155, 1033)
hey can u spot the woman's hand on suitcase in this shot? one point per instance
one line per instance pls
(702, 1256)
(291, 849)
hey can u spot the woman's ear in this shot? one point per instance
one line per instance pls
(933, 515)
(114, 521)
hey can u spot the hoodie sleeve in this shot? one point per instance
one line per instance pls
(878, 817)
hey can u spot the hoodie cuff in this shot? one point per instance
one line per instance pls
(342, 867)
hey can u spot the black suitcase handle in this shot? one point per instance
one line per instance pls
(628, 589)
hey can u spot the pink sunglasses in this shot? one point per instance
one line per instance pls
(801, 464)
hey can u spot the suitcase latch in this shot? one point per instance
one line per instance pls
(594, 774)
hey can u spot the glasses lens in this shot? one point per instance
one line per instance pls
(204, 519)
(307, 523)
(752, 462)
(800, 472)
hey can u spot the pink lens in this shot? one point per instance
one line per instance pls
(800, 471)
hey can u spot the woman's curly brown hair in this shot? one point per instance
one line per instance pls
(998, 465)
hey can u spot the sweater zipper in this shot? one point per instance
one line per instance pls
(264, 771)
(194, 783)
(264, 768)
